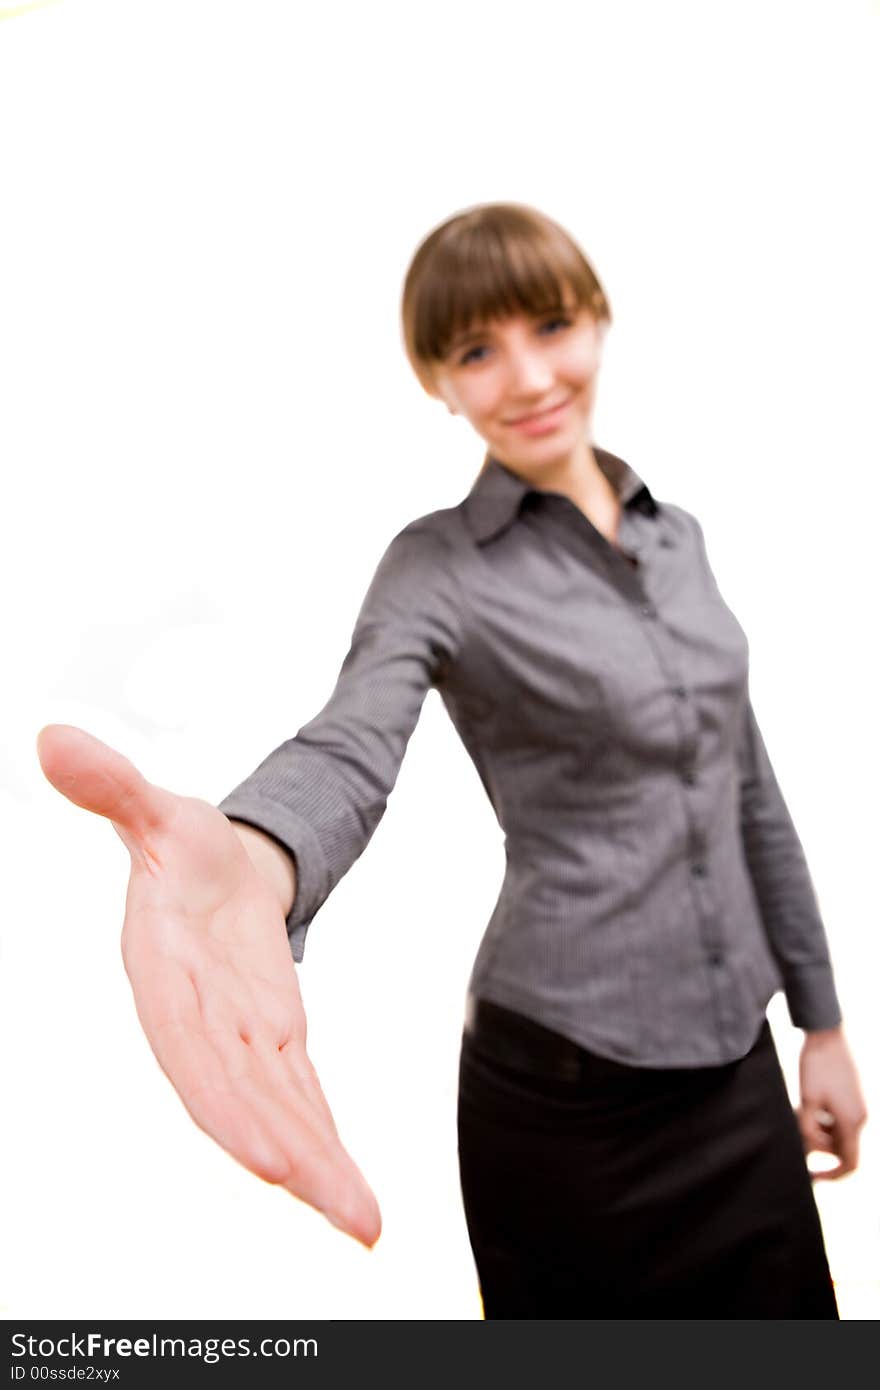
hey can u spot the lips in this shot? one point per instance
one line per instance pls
(539, 418)
(536, 414)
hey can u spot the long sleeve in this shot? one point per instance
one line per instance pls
(322, 793)
(783, 887)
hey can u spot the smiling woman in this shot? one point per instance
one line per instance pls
(504, 320)
(626, 1143)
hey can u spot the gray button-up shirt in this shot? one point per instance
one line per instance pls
(656, 894)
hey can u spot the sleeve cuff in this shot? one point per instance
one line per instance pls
(298, 837)
(811, 997)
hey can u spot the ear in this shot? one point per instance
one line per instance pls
(438, 388)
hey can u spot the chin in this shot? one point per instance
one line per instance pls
(546, 453)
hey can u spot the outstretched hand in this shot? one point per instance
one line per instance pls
(832, 1109)
(205, 948)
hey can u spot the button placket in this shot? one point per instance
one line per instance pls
(714, 953)
(684, 710)
(686, 719)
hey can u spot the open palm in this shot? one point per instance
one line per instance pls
(205, 948)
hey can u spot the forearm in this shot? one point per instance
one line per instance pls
(797, 937)
(783, 888)
(273, 863)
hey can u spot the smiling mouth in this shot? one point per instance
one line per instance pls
(538, 414)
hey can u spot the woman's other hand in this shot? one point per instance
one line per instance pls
(832, 1110)
(205, 948)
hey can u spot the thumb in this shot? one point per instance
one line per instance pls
(96, 777)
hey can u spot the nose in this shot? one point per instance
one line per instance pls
(529, 374)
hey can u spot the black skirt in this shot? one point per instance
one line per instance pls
(597, 1190)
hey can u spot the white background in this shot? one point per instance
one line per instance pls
(208, 435)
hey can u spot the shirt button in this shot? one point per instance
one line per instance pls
(681, 692)
(688, 776)
(666, 543)
(699, 870)
(648, 610)
(716, 958)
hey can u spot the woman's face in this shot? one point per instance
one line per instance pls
(526, 385)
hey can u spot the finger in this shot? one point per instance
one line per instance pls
(284, 1088)
(96, 777)
(847, 1147)
(828, 1132)
(307, 1159)
(819, 1140)
(214, 1099)
(276, 1034)
(253, 1065)
(251, 1108)
(303, 1075)
(814, 1134)
(827, 1174)
(347, 1200)
(215, 1078)
(238, 1015)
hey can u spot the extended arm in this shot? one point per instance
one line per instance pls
(321, 794)
(215, 988)
(204, 939)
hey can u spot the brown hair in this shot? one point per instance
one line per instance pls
(490, 261)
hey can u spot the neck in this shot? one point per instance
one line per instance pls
(577, 476)
(580, 478)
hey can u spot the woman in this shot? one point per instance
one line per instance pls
(626, 1143)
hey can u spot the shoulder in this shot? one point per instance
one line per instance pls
(680, 522)
(681, 530)
(429, 546)
(418, 573)
(442, 529)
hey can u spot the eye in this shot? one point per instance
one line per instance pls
(472, 354)
(555, 324)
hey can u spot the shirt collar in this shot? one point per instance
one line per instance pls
(495, 499)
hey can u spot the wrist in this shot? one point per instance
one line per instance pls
(272, 862)
(822, 1037)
